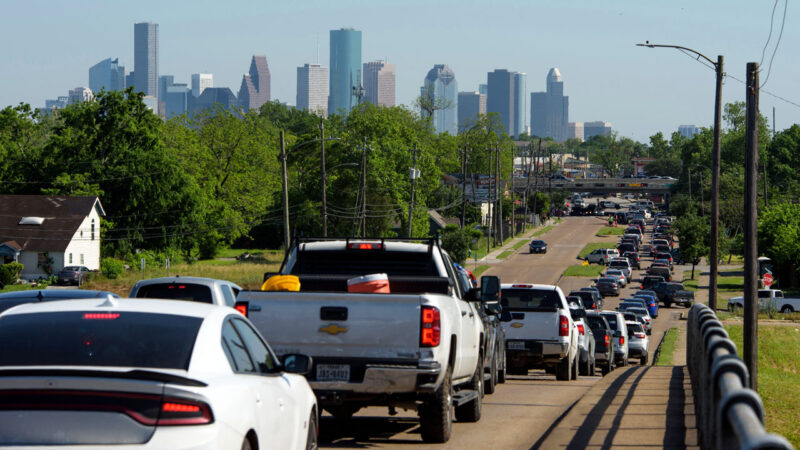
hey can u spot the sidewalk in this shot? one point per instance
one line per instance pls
(491, 257)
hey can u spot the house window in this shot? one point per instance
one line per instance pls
(82, 263)
(42, 259)
(92, 229)
(70, 258)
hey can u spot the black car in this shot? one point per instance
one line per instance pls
(651, 280)
(11, 299)
(666, 292)
(603, 341)
(633, 258)
(587, 299)
(628, 246)
(597, 295)
(679, 259)
(73, 275)
(538, 246)
(621, 218)
(607, 286)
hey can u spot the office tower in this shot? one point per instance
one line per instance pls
(211, 97)
(255, 84)
(79, 94)
(201, 81)
(129, 78)
(379, 83)
(688, 131)
(151, 103)
(598, 128)
(176, 100)
(145, 58)
(108, 75)
(345, 72)
(470, 105)
(312, 89)
(520, 115)
(483, 89)
(550, 109)
(502, 98)
(164, 81)
(575, 131)
(441, 91)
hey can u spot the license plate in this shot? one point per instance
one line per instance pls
(333, 372)
(516, 345)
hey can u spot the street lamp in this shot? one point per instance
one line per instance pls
(715, 159)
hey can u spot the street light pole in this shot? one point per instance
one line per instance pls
(285, 179)
(715, 163)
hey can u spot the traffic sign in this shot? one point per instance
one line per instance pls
(767, 279)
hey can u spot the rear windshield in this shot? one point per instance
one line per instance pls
(362, 262)
(96, 338)
(612, 320)
(596, 323)
(529, 299)
(176, 291)
(634, 328)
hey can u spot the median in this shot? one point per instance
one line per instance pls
(580, 270)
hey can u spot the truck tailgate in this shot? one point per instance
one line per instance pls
(532, 325)
(338, 325)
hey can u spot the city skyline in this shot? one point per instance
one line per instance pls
(596, 51)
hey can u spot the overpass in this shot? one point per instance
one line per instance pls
(597, 185)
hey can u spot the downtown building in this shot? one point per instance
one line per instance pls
(201, 81)
(345, 72)
(688, 131)
(440, 89)
(145, 58)
(597, 128)
(107, 75)
(254, 91)
(470, 106)
(379, 83)
(550, 109)
(312, 89)
(506, 97)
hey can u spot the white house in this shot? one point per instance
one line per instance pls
(46, 233)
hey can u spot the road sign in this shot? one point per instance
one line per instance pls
(767, 279)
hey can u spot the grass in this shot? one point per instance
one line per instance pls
(543, 230)
(505, 254)
(478, 271)
(778, 377)
(520, 243)
(234, 252)
(17, 287)
(592, 246)
(667, 348)
(611, 231)
(579, 270)
(725, 283)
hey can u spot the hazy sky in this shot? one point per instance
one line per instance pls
(48, 47)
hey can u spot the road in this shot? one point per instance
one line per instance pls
(522, 410)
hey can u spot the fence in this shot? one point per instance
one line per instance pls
(729, 414)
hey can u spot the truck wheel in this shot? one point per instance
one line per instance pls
(575, 367)
(787, 309)
(501, 372)
(436, 413)
(342, 413)
(490, 385)
(564, 369)
(667, 304)
(471, 412)
(643, 360)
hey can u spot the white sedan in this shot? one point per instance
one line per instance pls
(154, 374)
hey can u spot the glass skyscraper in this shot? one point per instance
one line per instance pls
(550, 109)
(145, 58)
(108, 75)
(345, 70)
(441, 89)
(520, 104)
(503, 98)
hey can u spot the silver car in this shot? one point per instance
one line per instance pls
(637, 342)
(642, 312)
(617, 323)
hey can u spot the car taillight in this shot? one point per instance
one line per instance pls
(639, 335)
(242, 307)
(100, 316)
(621, 340)
(181, 412)
(580, 329)
(430, 327)
(364, 246)
(563, 327)
(606, 339)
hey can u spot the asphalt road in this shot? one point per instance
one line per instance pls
(522, 410)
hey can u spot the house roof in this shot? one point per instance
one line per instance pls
(12, 244)
(62, 217)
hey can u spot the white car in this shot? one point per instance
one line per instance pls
(637, 342)
(618, 274)
(148, 374)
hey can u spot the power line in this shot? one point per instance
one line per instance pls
(771, 21)
(780, 35)
(727, 75)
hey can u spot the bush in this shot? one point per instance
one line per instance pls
(456, 242)
(112, 268)
(9, 273)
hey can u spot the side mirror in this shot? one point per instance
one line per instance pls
(473, 295)
(490, 288)
(296, 363)
(493, 308)
(505, 316)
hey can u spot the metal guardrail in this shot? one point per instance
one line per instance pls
(729, 414)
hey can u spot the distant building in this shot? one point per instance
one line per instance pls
(575, 130)
(688, 131)
(520, 103)
(108, 75)
(379, 83)
(345, 72)
(255, 84)
(441, 89)
(151, 103)
(213, 97)
(503, 98)
(312, 89)
(145, 58)
(60, 103)
(79, 94)
(550, 109)
(598, 128)
(164, 81)
(129, 79)
(483, 89)
(470, 105)
(201, 81)
(176, 100)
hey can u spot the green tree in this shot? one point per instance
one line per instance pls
(693, 236)
(779, 239)
(456, 241)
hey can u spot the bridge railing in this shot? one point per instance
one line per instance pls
(729, 415)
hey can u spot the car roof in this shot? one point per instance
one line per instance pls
(181, 279)
(171, 307)
(55, 294)
(548, 287)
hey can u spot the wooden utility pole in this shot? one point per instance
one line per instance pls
(413, 179)
(464, 188)
(498, 196)
(285, 179)
(512, 192)
(364, 189)
(324, 179)
(490, 198)
(537, 174)
(751, 226)
(715, 158)
(528, 181)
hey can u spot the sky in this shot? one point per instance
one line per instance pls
(49, 45)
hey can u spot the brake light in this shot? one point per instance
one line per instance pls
(523, 286)
(621, 340)
(179, 407)
(639, 335)
(242, 307)
(563, 326)
(181, 412)
(606, 338)
(364, 246)
(430, 327)
(100, 316)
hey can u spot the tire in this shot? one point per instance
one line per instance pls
(575, 367)
(471, 412)
(501, 372)
(787, 309)
(731, 307)
(643, 360)
(436, 413)
(583, 369)
(342, 413)
(312, 442)
(667, 304)
(564, 370)
(489, 386)
(246, 445)
(592, 368)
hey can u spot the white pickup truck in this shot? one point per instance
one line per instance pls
(541, 333)
(418, 347)
(767, 296)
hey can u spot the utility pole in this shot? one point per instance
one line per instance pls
(528, 183)
(751, 227)
(537, 174)
(490, 197)
(715, 163)
(285, 178)
(498, 196)
(512, 192)
(324, 180)
(702, 208)
(464, 187)
(413, 179)
(550, 156)
(364, 189)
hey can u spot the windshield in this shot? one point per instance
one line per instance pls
(176, 291)
(98, 338)
(612, 321)
(529, 299)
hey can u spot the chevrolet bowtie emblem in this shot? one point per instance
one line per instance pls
(333, 329)
(516, 325)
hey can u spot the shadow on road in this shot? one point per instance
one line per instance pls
(363, 432)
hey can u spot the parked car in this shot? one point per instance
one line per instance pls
(603, 339)
(587, 299)
(149, 373)
(608, 286)
(617, 323)
(598, 297)
(14, 298)
(624, 265)
(637, 342)
(602, 255)
(633, 259)
(627, 246)
(669, 293)
(537, 246)
(769, 298)
(195, 289)
(679, 259)
(73, 275)
(664, 255)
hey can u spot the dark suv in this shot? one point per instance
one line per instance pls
(587, 299)
(603, 341)
(651, 280)
(73, 275)
(667, 293)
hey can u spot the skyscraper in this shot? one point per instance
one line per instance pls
(688, 131)
(255, 84)
(550, 109)
(213, 97)
(145, 58)
(201, 81)
(502, 98)
(441, 91)
(379, 83)
(345, 60)
(520, 96)
(312, 89)
(470, 105)
(164, 81)
(79, 94)
(108, 75)
(176, 100)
